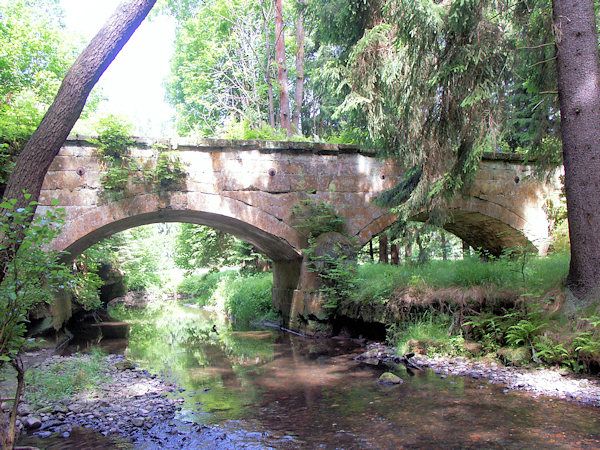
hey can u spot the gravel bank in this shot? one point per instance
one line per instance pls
(541, 381)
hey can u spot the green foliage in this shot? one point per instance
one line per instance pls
(87, 283)
(60, 379)
(113, 146)
(114, 137)
(587, 344)
(32, 274)
(246, 297)
(199, 246)
(314, 218)
(114, 140)
(377, 282)
(434, 329)
(429, 78)
(250, 299)
(335, 267)
(202, 287)
(34, 56)
(169, 172)
(245, 130)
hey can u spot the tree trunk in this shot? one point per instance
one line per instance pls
(268, 79)
(383, 248)
(394, 255)
(371, 250)
(579, 98)
(299, 92)
(407, 251)
(284, 96)
(39, 152)
(10, 432)
(444, 249)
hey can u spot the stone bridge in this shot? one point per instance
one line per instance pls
(249, 189)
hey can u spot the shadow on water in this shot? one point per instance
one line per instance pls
(263, 388)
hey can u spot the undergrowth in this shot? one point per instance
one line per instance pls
(244, 296)
(510, 310)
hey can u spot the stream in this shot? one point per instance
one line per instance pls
(262, 388)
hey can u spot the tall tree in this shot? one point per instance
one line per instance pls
(579, 96)
(34, 57)
(300, 42)
(39, 152)
(429, 77)
(282, 72)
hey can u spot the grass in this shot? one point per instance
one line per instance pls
(377, 283)
(60, 379)
(435, 329)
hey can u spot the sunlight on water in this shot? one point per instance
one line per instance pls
(273, 389)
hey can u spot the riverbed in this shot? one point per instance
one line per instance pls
(262, 388)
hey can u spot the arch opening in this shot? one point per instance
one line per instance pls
(274, 247)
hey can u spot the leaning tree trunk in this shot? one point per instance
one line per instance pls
(284, 96)
(579, 96)
(39, 152)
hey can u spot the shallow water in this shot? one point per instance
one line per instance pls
(263, 388)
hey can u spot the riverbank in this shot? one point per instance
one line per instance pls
(131, 406)
(549, 382)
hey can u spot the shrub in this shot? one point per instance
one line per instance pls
(250, 298)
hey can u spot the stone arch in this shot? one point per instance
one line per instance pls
(273, 237)
(482, 224)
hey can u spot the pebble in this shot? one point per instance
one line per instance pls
(540, 381)
(128, 393)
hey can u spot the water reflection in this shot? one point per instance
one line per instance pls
(273, 389)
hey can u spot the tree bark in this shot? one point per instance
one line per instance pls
(45, 143)
(269, 80)
(579, 98)
(383, 248)
(394, 255)
(444, 247)
(299, 92)
(39, 152)
(284, 96)
(17, 363)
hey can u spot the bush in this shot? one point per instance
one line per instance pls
(244, 297)
(250, 299)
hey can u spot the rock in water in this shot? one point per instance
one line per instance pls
(389, 378)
